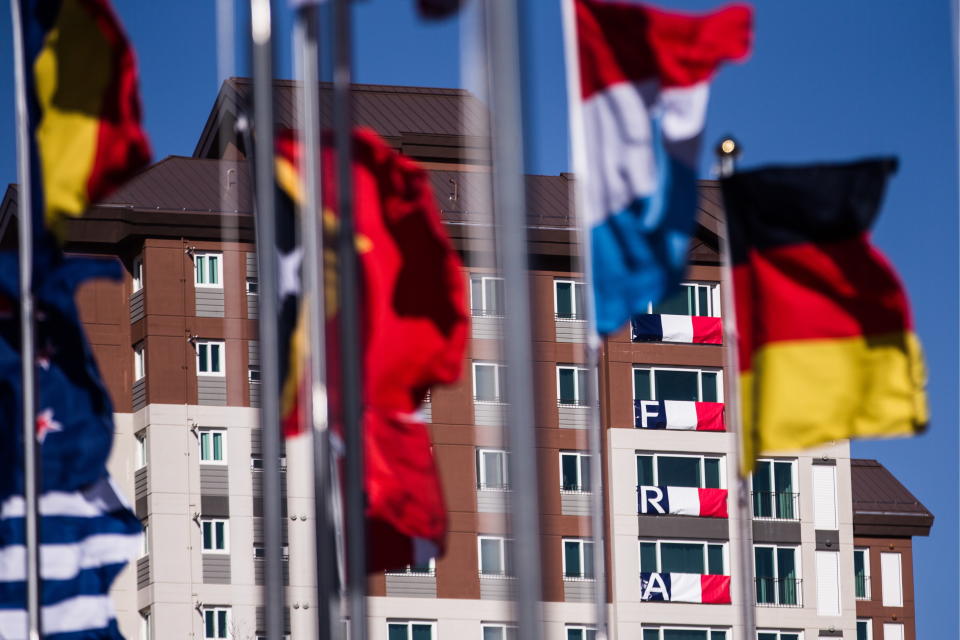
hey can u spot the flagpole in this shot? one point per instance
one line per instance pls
(265, 218)
(727, 152)
(306, 34)
(578, 161)
(31, 463)
(349, 317)
(502, 23)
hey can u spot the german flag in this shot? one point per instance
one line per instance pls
(84, 106)
(827, 349)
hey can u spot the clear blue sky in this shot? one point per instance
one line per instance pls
(827, 80)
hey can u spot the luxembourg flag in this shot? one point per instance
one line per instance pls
(680, 415)
(655, 327)
(684, 587)
(644, 77)
(682, 501)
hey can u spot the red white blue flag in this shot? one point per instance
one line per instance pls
(644, 82)
(655, 327)
(684, 587)
(678, 414)
(682, 501)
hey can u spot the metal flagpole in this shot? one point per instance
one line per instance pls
(578, 161)
(273, 591)
(349, 322)
(509, 205)
(727, 152)
(306, 35)
(31, 463)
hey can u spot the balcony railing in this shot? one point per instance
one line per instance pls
(575, 317)
(776, 505)
(779, 592)
(861, 587)
(414, 571)
(578, 577)
(493, 486)
(574, 488)
(497, 575)
(574, 403)
(486, 313)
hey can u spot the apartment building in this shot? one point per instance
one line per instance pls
(177, 344)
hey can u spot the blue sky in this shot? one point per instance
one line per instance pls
(827, 81)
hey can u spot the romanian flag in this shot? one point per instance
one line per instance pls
(84, 108)
(827, 349)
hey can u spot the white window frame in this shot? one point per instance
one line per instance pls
(482, 469)
(779, 632)
(200, 344)
(223, 443)
(503, 542)
(713, 300)
(700, 456)
(728, 632)
(706, 556)
(140, 361)
(580, 395)
(202, 258)
(653, 379)
(579, 315)
(580, 627)
(869, 623)
(482, 310)
(579, 455)
(497, 372)
(213, 522)
(409, 624)
(866, 568)
(795, 480)
(214, 611)
(136, 274)
(141, 453)
(584, 554)
(797, 562)
(505, 630)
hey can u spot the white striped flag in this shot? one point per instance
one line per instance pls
(682, 501)
(654, 327)
(684, 587)
(678, 414)
(644, 77)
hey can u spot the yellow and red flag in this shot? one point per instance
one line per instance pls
(827, 349)
(84, 107)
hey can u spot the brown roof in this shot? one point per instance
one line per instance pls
(882, 506)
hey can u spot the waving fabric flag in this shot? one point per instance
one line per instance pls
(827, 349)
(684, 587)
(644, 77)
(83, 104)
(654, 327)
(87, 531)
(682, 501)
(678, 414)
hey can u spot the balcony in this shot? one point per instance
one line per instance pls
(775, 505)
(779, 592)
(570, 327)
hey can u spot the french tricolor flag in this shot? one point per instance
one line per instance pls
(653, 327)
(679, 415)
(685, 587)
(682, 501)
(643, 95)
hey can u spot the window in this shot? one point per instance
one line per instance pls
(683, 633)
(216, 623)
(825, 497)
(136, 274)
(488, 382)
(493, 469)
(208, 269)
(578, 559)
(213, 446)
(495, 556)
(574, 471)
(658, 383)
(139, 361)
(141, 449)
(705, 558)
(253, 374)
(777, 575)
(693, 299)
(428, 568)
(486, 296)
(891, 587)
(861, 573)
(892, 631)
(779, 635)
(581, 633)
(410, 630)
(498, 631)
(572, 386)
(259, 553)
(675, 470)
(568, 303)
(773, 490)
(864, 629)
(256, 463)
(253, 286)
(214, 534)
(210, 358)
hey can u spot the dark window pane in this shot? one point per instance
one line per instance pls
(564, 300)
(581, 386)
(763, 557)
(221, 624)
(718, 635)
(648, 556)
(766, 636)
(789, 636)
(568, 470)
(578, 308)
(476, 295)
(397, 632)
(761, 490)
(221, 542)
(574, 634)
(677, 557)
(678, 304)
(568, 394)
(206, 535)
(711, 468)
(645, 470)
(710, 391)
(862, 631)
(571, 558)
(641, 384)
(584, 473)
(493, 633)
(202, 352)
(703, 299)
(588, 560)
(676, 385)
(485, 382)
(684, 634)
(860, 573)
(715, 559)
(422, 632)
(678, 472)
(786, 566)
(209, 624)
(783, 486)
(215, 358)
(651, 634)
